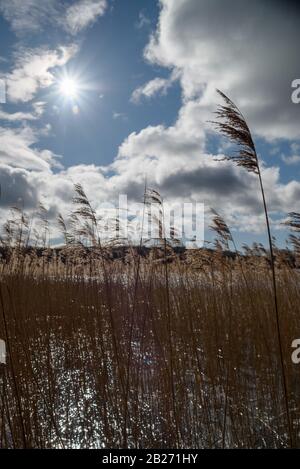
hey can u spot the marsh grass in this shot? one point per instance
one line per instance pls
(63, 387)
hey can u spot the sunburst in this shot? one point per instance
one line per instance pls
(69, 87)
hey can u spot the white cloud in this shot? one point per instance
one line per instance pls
(173, 160)
(18, 149)
(153, 88)
(33, 16)
(32, 71)
(29, 15)
(84, 13)
(38, 109)
(16, 185)
(17, 116)
(247, 50)
(291, 159)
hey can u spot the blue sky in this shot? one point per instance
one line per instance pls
(146, 72)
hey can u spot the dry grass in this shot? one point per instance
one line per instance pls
(70, 337)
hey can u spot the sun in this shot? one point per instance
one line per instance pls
(69, 87)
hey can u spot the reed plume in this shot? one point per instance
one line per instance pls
(294, 221)
(222, 230)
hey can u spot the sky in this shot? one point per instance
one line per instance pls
(145, 74)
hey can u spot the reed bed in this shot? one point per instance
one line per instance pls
(70, 337)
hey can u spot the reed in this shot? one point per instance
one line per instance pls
(232, 124)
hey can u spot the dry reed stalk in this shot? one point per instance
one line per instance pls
(232, 124)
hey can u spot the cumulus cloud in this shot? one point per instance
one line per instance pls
(32, 71)
(84, 13)
(16, 186)
(173, 164)
(153, 88)
(175, 161)
(18, 149)
(247, 50)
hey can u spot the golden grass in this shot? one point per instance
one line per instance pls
(70, 337)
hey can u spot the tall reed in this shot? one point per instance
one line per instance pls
(233, 125)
